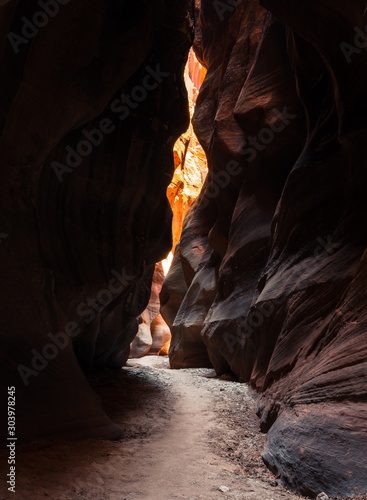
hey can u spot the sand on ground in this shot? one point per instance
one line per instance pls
(187, 435)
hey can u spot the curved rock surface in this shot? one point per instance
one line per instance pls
(92, 103)
(268, 281)
(153, 334)
(273, 251)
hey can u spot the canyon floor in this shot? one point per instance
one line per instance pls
(187, 435)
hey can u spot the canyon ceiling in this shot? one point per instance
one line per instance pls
(269, 278)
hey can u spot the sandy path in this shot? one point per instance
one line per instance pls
(186, 436)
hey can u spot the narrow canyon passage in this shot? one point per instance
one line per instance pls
(189, 436)
(184, 178)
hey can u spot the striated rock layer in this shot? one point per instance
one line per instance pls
(273, 251)
(92, 102)
(153, 334)
(190, 161)
(190, 171)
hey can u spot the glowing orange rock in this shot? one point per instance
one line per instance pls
(190, 160)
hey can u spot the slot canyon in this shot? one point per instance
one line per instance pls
(182, 249)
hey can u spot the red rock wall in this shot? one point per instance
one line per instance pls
(190, 161)
(273, 251)
(190, 171)
(153, 332)
(91, 106)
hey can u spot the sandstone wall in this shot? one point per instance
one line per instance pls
(273, 251)
(92, 102)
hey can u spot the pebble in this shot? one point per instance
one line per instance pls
(223, 489)
(322, 496)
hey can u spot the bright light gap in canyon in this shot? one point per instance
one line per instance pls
(176, 326)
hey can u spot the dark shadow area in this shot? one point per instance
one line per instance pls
(133, 399)
(129, 396)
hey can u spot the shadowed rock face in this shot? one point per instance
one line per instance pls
(269, 278)
(91, 105)
(273, 252)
